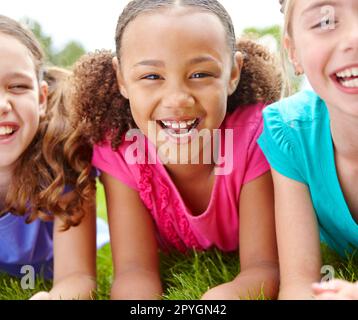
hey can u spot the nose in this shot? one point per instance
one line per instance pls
(5, 106)
(177, 95)
(350, 39)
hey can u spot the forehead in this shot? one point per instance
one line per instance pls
(308, 6)
(15, 57)
(177, 29)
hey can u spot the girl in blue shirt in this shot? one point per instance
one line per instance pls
(311, 142)
(40, 154)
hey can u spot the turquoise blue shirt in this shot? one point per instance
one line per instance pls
(297, 142)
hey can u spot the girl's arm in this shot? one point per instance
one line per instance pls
(258, 254)
(133, 242)
(74, 260)
(297, 238)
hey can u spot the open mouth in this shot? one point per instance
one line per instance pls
(348, 78)
(179, 128)
(7, 131)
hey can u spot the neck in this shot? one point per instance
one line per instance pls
(189, 172)
(5, 179)
(344, 129)
(196, 168)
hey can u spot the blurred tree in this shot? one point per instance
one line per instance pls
(63, 58)
(69, 55)
(274, 31)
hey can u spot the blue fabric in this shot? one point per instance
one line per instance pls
(25, 244)
(297, 142)
(31, 244)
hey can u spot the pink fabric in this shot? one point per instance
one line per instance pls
(218, 226)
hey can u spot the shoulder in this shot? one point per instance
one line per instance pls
(295, 118)
(123, 163)
(291, 131)
(247, 115)
(104, 152)
(305, 106)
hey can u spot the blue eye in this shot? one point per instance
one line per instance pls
(326, 24)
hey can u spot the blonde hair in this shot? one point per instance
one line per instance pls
(287, 8)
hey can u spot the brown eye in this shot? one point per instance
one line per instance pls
(200, 75)
(151, 77)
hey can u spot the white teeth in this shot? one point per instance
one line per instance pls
(6, 130)
(178, 124)
(183, 125)
(350, 83)
(352, 72)
(167, 123)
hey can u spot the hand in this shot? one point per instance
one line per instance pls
(42, 295)
(336, 290)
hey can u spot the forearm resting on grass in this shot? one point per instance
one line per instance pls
(259, 282)
(76, 286)
(297, 287)
(137, 284)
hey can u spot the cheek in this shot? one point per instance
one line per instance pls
(30, 114)
(312, 54)
(216, 104)
(140, 111)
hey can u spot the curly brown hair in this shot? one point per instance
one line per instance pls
(103, 114)
(57, 159)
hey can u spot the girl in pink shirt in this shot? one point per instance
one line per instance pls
(179, 159)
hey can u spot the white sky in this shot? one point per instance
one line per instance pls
(93, 22)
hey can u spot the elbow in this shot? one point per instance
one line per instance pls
(138, 285)
(267, 279)
(270, 281)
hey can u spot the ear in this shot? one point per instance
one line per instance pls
(292, 53)
(236, 72)
(119, 76)
(43, 93)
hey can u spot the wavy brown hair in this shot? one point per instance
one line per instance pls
(104, 114)
(52, 177)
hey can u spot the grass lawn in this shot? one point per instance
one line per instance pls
(185, 277)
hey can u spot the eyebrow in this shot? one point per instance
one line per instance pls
(159, 63)
(201, 59)
(321, 4)
(154, 63)
(19, 75)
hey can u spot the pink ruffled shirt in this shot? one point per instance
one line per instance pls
(218, 226)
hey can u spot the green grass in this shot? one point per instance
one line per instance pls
(185, 277)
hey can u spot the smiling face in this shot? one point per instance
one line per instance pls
(177, 70)
(22, 100)
(323, 43)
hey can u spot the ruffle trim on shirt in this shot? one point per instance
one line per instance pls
(165, 219)
(279, 130)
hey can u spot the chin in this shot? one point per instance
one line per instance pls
(7, 162)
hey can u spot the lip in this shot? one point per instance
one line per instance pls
(343, 88)
(176, 119)
(7, 140)
(340, 87)
(349, 66)
(184, 139)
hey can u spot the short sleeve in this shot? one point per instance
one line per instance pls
(278, 148)
(114, 164)
(257, 164)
